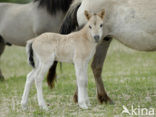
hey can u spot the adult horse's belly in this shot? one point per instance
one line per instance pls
(15, 32)
(138, 40)
(16, 24)
(135, 24)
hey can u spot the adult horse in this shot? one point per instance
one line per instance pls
(132, 22)
(20, 22)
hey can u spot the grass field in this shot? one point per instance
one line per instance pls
(129, 77)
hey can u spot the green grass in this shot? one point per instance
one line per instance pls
(129, 77)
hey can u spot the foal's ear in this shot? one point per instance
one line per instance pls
(102, 13)
(87, 14)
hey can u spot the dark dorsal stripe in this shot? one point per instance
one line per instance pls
(53, 6)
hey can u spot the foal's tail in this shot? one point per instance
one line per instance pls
(51, 77)
(30, 53)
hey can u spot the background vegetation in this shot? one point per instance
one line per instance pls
(129, 77)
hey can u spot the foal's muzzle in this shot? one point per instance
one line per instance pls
(97, 38)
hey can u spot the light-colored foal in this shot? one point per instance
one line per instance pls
(77, 47)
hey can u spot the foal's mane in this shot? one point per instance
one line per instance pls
(53, 6)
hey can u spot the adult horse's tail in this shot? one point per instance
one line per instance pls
(69, 24)
(30, 53)
(51, 77)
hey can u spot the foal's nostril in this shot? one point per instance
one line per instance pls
(96, 37)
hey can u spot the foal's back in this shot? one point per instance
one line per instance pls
(63, 46)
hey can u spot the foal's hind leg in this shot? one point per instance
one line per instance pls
(42, 69)
(28, 84)
(97, 66)
(38, 82)
(2, 46)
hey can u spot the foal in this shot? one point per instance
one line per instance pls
(77, 47)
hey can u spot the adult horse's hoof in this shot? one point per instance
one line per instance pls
(105, 98)
(75, 98)
(101, 99)
(1, 77)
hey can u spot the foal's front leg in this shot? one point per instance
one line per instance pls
(97, 66)
(82, 83)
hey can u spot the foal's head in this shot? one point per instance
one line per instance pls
(95, 25)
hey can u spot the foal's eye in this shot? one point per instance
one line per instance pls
(101, 25)
(90, 27)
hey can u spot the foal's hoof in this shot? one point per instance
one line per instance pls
(83, 106)
(24, 107)
(44, 108)
(88, 104)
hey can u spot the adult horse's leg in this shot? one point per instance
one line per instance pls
(97, 66)
(2, 46)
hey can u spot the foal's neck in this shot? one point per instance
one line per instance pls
(84, 32)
